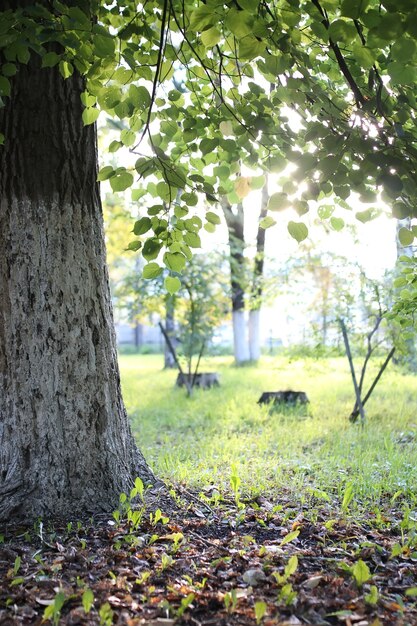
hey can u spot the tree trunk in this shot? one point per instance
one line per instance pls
(254, 334)
(235, 226)
(66, 448)
(258, 271)
(169, 361)
(138, 335)
(408, 355)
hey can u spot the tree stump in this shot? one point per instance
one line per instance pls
(287, 398)
(205, 380)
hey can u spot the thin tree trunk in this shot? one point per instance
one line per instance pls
(169, 361)
(138, 335)
(66, 448)
(409, 353)
(235, 225)
(258, 271)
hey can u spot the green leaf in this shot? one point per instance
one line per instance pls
(175, 176)
(174, 261)
(405, 236)
(260, 608)
(8, 69)
(66, 69)
(127, 137)
(192, 239)
(267, 222)
(23, 54)
(298, 230)
(373, 596)
(240, 23)
(347, 497)
(202, 17)
(134, 246)
(105, 173)
(290, 537)
(363, 55)
(354, 8)
(90, 115)
(50, 59)
(361, 573)
(213, 218)
(411, 592)
(87, 600)
(250, 47)
(278, 202)
(140, 97)
(104, 45)
(142, 226)
(392, 184)
(343, 31)
(337, 223)
(172, 284)
(257, 182)
(121, 181)
(5, 88)
(364, 216)
(211, 37)
(291, 566)
(137, 194)
(403, 49)
(151, 270)
(151, 248)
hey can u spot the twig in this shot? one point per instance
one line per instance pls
(355, 412)
(174, 354)
(352, 370)
(200, 354)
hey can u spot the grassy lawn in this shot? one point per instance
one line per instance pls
(313, 452)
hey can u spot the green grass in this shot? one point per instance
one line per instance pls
(197, 440)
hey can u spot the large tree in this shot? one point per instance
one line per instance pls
(347, 69)
(65, 444)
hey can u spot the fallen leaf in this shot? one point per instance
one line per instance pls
(312, 582)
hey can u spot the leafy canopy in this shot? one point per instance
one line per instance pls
(204, 88)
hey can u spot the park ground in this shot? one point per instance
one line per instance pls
(286, 517)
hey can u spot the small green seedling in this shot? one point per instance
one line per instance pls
(360, 572)
(156, 517)
(373, 596)
(230, 600)
(347, 497)
(87, 600)
(235, 482)
(166, 561)
(106, 615)
(185, 603)
(286, 593)
(260, 611)
(53, 611)
(290, 537)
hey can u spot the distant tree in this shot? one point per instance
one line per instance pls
(203, 304)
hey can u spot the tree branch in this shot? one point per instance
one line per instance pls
(359, 97)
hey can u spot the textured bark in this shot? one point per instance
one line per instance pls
(235, 225)
(65, 444)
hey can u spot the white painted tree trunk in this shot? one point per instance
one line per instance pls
(66, 447)
(254, 334)
(240, 342)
